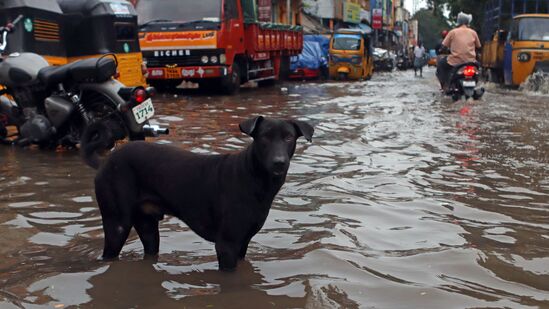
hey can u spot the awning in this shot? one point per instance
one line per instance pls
(364, 27)
(312, 25)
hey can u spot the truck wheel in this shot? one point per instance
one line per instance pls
(284, 73)
(231, 83)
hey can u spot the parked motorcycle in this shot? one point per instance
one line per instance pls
(464, 82)
(383, 60)
(403, 62)
(53, 105)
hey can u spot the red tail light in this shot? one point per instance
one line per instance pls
(469, 71)
(140, 95)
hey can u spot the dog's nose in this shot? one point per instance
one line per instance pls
(279, 162)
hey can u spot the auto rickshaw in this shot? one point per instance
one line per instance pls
(515, 41)
(63, 31)
(351, 55)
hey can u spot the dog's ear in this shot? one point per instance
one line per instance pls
(303, 129)
(248, 126)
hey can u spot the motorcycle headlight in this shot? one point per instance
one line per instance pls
(222, 59)
(204, 59)
(213, 59)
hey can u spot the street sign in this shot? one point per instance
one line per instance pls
(377, 18)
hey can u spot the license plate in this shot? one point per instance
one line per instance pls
(469, 83)
(143, 111)
(173, 73)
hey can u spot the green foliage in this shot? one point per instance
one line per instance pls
(430, 27)
(436, 5)
(432, 21)
(475, 7)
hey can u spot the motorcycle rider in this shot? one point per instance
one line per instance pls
(463, 43)
(439, 48)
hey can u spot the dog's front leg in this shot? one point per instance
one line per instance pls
(227, 254)
(244, 248)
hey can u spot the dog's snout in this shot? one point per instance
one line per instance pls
(279, 161)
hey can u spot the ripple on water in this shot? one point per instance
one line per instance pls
(402, 200)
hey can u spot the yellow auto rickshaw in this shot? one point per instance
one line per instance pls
(527, 49)
(63, 31)
(351, 55)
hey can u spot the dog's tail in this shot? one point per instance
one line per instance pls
(95, 138)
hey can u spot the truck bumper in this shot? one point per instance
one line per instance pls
(188, 73)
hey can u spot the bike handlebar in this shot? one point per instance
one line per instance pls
(7, 29)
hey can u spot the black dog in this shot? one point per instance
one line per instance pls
(223, 198)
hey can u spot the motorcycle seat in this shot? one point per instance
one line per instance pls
(53, 75)
(92, 70)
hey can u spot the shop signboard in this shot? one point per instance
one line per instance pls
(377, 18)
(351, 12)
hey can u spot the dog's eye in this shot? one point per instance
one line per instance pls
(289, 138)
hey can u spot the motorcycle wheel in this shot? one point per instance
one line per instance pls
(101, 108)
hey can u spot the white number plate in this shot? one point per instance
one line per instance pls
(143, 111)
(468, 83)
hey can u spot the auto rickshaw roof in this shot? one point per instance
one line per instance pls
(43, 5)
(351, 31)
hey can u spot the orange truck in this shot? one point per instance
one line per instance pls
(219, 44)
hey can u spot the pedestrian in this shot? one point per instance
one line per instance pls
(419, 58)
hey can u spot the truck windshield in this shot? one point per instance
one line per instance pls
(346, 42)
(178, 10)
(533, 29)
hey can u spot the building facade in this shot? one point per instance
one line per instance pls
(284, 11)
(335, 14)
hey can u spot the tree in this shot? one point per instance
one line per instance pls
(436, 5)
(475, 7)
(430, 27)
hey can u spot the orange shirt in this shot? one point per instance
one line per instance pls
(462, 42)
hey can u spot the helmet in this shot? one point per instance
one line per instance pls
(444, 33)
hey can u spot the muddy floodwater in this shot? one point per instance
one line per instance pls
(403, 200)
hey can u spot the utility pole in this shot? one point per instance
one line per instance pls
(289, 8)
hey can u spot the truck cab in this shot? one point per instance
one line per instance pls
(218, 44)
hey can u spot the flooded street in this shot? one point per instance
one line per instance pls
(403, 200)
